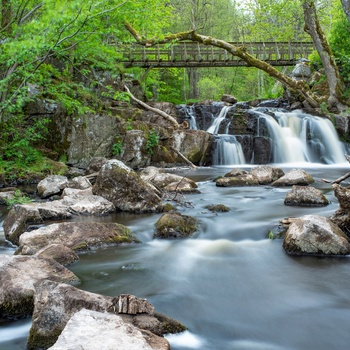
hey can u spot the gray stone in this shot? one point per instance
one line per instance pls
(266, 174)
(305, 196)
(91, 330)
(294, 177)
(79, 183)
(228, 99)
(125, 189)
(315, 235)
(237, 181)
(75, 235)
(53, 184)
(58, 252)
(17, 282)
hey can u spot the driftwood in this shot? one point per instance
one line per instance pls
(344, 177)
(155, 110)
(184, 158)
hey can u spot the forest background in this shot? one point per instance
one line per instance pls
(45, 45)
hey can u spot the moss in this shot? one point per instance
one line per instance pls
(169, 325)
(168, 207)
(38, 341)
(218, 208)
(21, 308)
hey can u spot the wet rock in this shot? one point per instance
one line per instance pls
(125, 189)
(89, 329)
(53, 184)
(175, 225)
(218, 208)
(294, 177)
(315, 235)
(6, 194)
(238, 181)
(305, 196)
(58, 252)
(77, 236)
(56, 303)
(266, 174)
(18, 277)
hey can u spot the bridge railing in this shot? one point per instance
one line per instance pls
(184, 54)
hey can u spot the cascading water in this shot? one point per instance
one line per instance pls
(228, 150)
(300, 137)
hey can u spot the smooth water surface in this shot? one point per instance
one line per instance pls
(229, 284)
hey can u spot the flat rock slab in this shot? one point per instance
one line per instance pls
(75, 235)
(17, 282)
(91, 330)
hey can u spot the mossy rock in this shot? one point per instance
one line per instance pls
(175, 225)
(215, 208)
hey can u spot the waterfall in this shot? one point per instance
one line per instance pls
(300, 137)
(190, 116)
(228, 151)
(214, 127)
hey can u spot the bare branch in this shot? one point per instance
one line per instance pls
(30, 13)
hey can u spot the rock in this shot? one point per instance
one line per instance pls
(240, 180)
(215, 208)
(72, 192)
(92, 330)
(88, 205)
(18, 277)
(125, 189)
(301, 71)
(305, 197)
(185, 185)
(79, 183)
(56, 303)
(228, 99)
(161, 179)
(235, 173)
(342, 216)
(266, 174)
(6, 194)
(294, 177)
(53, 184)
(75, 235)
(95, 165)
(175, 225)
(20, 217)
(58, 252)
(315, 235)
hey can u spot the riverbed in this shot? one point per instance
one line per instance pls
(232, 286)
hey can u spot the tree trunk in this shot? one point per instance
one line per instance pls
(193, 76)
(346, 8)
(299, 86)
(6, 18)
(313, 28)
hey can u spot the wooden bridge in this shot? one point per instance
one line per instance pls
(191, 54)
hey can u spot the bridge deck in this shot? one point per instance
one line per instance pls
(190, 54)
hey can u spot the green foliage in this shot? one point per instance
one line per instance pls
(121, 96)
(117, 148)
(129, 125)
(270, 235)
(152, 141)
(17, 198)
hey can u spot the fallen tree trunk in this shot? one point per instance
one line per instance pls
(155, 110)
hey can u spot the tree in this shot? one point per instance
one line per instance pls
(313, 28)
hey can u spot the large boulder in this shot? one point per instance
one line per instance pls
(75, 235)
(306, 196)
(315, 235)
(175, 225)
(125, 189)
(53, 184)
(56, 303)
(58, 252)
(266, 174)
(92, 330)
(294, 177)
(17, 282)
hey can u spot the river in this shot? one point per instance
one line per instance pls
(229, 284)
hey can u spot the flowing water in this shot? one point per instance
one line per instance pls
(230, 285)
